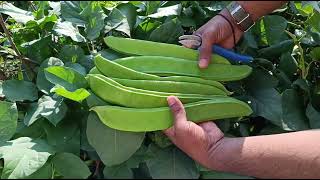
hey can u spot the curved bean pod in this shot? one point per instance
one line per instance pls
(172, 86)
(113, 92)
(154, 119)
(176, 66)
(150, 48)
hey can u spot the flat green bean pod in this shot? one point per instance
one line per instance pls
(172, 86)
(149, 48)
(154, 119)
(112, 69)
(176, 66)
(144, 91)
(187, 79)
(113, 92)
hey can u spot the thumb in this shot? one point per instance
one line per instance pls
(205, 52)
(177, 110)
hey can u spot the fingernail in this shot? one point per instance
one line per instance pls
(202, 63)
(171, 101)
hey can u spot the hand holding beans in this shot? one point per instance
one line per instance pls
(198, 141)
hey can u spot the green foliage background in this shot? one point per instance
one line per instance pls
(44, 110)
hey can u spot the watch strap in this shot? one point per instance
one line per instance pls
(241, 17)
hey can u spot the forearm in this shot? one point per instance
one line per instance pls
(291, 155)
(257, 9)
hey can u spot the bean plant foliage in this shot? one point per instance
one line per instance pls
(47, 48)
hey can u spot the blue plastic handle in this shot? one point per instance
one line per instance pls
(230, 55)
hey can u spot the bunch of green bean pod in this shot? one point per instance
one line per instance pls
(136, 87)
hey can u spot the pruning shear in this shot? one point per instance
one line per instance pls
(194, 41)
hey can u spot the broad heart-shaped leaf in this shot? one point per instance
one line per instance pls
(77, 67)
(315, 54)
(260, 78)
(45, 172)
(8, 120)
(39, 49)
(275, 26)
(314, 4)
(78, 95)
(23, 156)
(130, 11)
(167, 32)
(19, 15)
(121, 171)
(313, 21)
(53, 109)
(222, 175)
(94, 16)
(167, 11)
(113, 146)
(70, 79)
(42, 83)
(68, 29)
(314, 117)
(62, 163)
(117, 21)
(16, 90)
(293, 111)
(171, 163)
(71, 53)
(65, 137)
(70, 11)
(288, 64)
(267, 103)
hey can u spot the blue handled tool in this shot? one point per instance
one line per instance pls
(194, 41)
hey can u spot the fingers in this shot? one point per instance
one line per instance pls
(213, 131)
(177, 110)
(205, 52)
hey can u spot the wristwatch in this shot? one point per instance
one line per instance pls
(240, 16)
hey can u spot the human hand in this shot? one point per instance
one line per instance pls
(216, 31)
(196, 140)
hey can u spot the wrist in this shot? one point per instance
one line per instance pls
(237, 30)
(225, 154)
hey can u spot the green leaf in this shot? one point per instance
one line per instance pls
(314, 4)
(222, 175)
(117, 21)
(174, 10)
(161, 139)
(62, 163)
(121, 171)
(70, 11)
(171, 163)
(315, 53)
(288, 64)
(42, 83)
(68, 29)
(303, 8)
(65, 137)
(261, 78)
(53, 109)
(314, 21)
(71, 53)
(19, 15)
(34, 131)
(12, 90)
(94, 17)
(293, 111)
(77, 67)
(45, 172)
(314, 117)
(66, 77)
(78, 95)
(267, 103)
(113, 146)
(167, 32)
(275, 26)
(23, 156)
(110, 54)
(130, 12)
(39, 49)
(8, 120)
